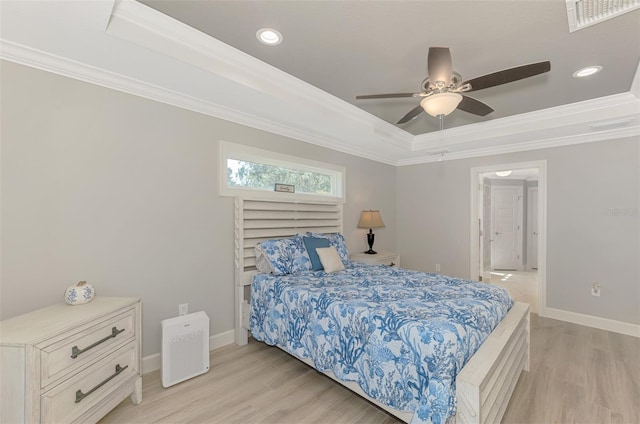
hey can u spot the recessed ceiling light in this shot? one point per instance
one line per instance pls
(503, 173)
(269, 36)
(585, 72)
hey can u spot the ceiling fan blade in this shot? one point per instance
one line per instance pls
(439, 65)
(508, 75)
(471, 105)
(412, 114)
(387, 96)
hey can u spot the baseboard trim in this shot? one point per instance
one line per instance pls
(595, 322)
(154, 362)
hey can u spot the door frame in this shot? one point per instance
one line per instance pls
(481, 231)
(476, 213)
(530, 190)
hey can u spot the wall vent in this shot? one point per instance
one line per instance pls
(584, 13)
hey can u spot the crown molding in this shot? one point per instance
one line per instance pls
(526, 146)
(602, 108)
(300, 111)
(142, 25)
(62, 66)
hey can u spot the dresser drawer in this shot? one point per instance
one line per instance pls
(76, 350)
(69, 400)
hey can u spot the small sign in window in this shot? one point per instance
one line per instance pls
(285, 188)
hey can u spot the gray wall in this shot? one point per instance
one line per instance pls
(123, 192)
(120, 191)
(586, 242)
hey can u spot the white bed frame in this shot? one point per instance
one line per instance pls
(484, 386)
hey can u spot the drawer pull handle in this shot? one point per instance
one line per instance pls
(75, 351)
(80, 395)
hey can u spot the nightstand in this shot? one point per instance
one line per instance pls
(381, 258)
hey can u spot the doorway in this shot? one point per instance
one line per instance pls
(508, 239)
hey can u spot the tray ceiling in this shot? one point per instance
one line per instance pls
(204, 56)
(347, 48)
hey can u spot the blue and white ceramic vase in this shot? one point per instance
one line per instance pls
(79, 294)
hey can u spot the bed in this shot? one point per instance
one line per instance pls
(344, 323)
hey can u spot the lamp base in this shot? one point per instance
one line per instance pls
(370, 238)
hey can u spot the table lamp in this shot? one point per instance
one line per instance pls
(370, 219)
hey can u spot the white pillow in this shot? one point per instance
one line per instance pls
(330, 259)
(262, 263)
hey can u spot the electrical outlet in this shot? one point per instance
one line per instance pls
(437, 267)
(595, 289)
(183, 309)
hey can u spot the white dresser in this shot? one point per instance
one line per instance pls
(70, 364)
(381, 258)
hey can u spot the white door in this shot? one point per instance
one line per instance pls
(506, 225)
(532, 227)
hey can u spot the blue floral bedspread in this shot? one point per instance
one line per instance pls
(401, 335)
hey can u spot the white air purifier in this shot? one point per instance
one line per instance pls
(185, 347)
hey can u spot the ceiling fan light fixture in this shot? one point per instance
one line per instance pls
(441, 103)
(585, 72)
(269, 36)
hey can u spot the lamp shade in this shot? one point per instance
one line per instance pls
(370, 219)
(441, 103)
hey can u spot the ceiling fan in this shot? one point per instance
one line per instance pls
(441, 91)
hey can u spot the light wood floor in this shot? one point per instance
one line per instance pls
(521, 285)
(578, 375)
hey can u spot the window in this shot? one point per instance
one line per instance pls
(248, 170)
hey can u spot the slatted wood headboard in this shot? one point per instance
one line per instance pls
(257, 220)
